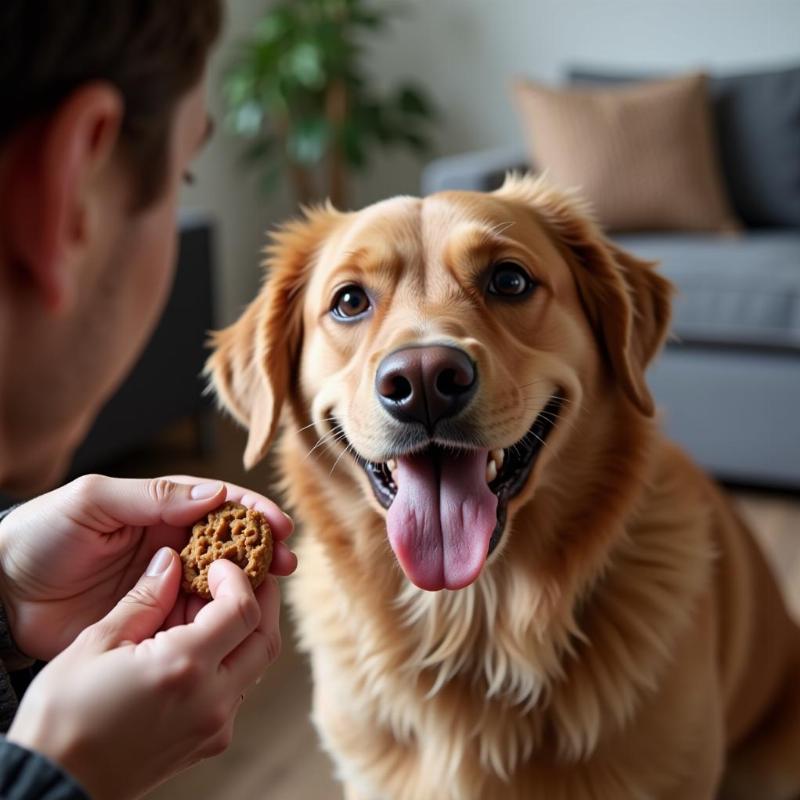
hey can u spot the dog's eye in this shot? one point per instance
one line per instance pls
(510, 280)
(350, 302)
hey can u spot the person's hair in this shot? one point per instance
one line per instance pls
(152, 51)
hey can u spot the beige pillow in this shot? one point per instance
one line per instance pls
(644, 154)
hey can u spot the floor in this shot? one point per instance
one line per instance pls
(275, 755)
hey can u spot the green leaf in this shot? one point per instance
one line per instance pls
(246, 119)
(281, 74)
(275, 25)
(260, 151)
(304, 64)
(368, 19)
(417, 142)
(414, 102)
(308, 140)
(353, 146)
(269, 180)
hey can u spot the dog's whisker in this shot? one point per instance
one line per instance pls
(348, 448)
(323, 439)
(330, 437)
(501, 227)
(535, 436)
(532, 383)
(564, 401)
(535, 404)
(312, 424)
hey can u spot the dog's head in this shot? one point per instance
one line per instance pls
(445, 349)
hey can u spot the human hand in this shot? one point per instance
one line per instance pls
(124, 707)
(68, 556)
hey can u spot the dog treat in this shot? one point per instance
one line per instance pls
(232, 531)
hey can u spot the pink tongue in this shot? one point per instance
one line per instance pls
(442, 518)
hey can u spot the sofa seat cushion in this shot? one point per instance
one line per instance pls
(740, 289)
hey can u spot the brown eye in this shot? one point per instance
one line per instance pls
(350, 303)
(510, 280)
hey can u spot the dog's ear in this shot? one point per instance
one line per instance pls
(626, 301)
(254, 362)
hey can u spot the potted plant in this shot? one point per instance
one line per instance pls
(298, 94)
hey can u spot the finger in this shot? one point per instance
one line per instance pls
(178, 614)
(246, 664)
(268, 596)
(223, 624)
(284, 561)
(148, 501)
(143, 610)
(221, 741)
(280, 522)
(186, 609)
(193, 606)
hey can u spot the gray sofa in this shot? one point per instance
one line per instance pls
(728, 382)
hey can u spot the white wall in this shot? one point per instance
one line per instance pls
(465, 51)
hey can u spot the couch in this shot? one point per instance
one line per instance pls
(728, 382)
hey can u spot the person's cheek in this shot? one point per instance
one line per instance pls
(153, 273)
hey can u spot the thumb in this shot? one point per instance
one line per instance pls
(148, 501)
(142, 611)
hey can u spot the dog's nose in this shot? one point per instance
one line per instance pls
(426, 384)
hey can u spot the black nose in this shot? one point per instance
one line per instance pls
(426, 384)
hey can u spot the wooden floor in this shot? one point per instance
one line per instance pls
(275, 755)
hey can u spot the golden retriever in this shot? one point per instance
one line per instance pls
(510, 585)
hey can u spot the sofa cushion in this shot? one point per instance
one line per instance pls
(644, 154)
(757, 121)
(739, 290)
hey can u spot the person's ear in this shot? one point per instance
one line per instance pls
(54, 164)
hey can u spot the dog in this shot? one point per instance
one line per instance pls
(510, 585)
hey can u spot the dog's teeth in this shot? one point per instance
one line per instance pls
(392, 464)
(498, 456)
(491, 471)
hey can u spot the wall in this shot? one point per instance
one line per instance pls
(465, 51)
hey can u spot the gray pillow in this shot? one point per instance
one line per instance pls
(757, 120)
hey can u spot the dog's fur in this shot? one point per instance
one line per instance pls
(626, 639)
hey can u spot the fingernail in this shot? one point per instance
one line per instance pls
(159, 563)
(202, 491)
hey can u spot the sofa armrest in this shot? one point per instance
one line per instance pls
(478, 171)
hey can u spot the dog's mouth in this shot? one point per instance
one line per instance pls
(447, 503)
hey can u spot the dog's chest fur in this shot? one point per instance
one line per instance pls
(514, 683)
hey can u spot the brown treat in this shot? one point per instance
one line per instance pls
(232, 531)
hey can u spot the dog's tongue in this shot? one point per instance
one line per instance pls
(442, 518)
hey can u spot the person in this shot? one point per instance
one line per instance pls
(102, 109)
